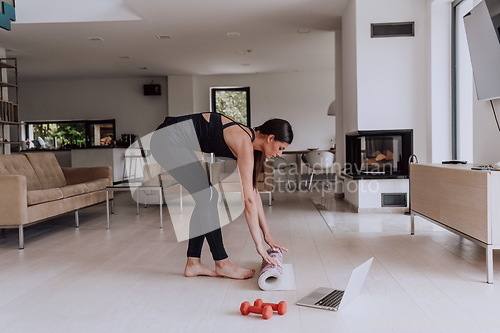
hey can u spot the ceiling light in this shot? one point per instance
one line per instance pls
(303, 31)
(245, 65)
(244, 52)
(95, 39)
(233, 34)
(144, 68)
(164, 37)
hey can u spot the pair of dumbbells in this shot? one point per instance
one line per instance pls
(265, 309)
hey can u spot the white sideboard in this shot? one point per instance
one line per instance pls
(461, 200)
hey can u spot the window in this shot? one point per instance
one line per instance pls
(232, 102)
(463, 90)
(70, 134)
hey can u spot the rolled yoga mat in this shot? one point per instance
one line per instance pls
(274, 277)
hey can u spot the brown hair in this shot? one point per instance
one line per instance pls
(282, 131)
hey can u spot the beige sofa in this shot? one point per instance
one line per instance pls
(33, 187)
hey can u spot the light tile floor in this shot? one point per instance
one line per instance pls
(129, 278)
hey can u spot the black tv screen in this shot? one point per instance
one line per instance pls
(494, 10)
(483, 38)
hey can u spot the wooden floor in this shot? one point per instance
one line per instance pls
(129, 278)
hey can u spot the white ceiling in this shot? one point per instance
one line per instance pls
(50, 37)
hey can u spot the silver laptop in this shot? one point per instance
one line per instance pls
(334, 300)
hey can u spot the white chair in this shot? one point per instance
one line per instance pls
(225, 176)
(318, 161)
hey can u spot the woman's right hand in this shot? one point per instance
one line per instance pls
(265, 256)
(273, 244)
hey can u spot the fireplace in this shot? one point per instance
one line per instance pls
(380, 154)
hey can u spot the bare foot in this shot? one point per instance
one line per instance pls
(194, 267)
(228, 269)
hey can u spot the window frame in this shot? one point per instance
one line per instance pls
(214, 91)
(88, 130)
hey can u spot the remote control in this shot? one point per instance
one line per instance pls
(454, 162)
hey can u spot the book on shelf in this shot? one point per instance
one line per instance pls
(15, 110)
(3, 113)
(9, 111)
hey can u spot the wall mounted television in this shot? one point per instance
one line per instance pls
(482, 28)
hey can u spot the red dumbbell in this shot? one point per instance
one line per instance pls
(281, 307)
(266, 311)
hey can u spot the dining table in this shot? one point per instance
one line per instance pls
(298, 159)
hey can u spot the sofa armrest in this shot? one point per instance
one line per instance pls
(81, 175)
(13, 200)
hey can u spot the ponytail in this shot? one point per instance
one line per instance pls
(282, 131)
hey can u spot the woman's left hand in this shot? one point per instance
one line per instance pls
(273, 244)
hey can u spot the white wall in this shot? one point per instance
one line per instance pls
(387, 83)
(391, 72)
(406, 82)
(438, 123)
(349, 70)
(302, 98)
(385, 79)
(338, 105)
(365, 195)
(180, 93)
(486, 133)
(121, 99)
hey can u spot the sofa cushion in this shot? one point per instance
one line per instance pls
(17, 164)
(72, 190)
(98, 184)
(39, 196)
(47, 169)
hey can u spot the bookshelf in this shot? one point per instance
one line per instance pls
(10, 122)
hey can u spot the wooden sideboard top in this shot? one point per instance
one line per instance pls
(467, 166)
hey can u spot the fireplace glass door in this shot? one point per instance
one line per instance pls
(380, 154)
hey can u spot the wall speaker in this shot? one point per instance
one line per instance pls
(152, 90)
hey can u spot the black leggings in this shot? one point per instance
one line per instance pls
(182, 164)
(205, 213)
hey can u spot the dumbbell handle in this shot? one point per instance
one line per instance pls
(266, 310)
(281, 307)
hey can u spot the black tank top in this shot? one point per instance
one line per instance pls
(210, 133)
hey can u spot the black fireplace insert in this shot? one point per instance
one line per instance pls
(378, 154)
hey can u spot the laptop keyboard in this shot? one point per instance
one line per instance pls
(331, 300)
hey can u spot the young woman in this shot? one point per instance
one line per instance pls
(174, 145)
